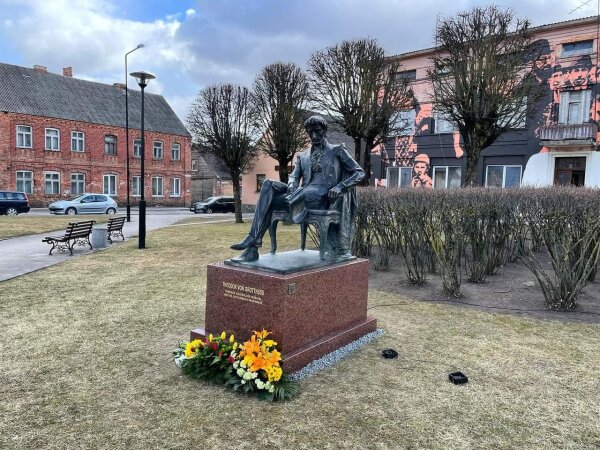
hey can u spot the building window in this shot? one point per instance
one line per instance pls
(578, 48)
(109, 185)
(157, 187)
(137, 191)
(399, 177)
(404, 122)
(443, 124)
(445, 177)
(77, 141)
(157, 150)
(260, 179)
(137, 148)
(77, 183)
(110, 145)
(175, 187)
(574, 107)
(408, 75)
(52, 139)
(25, 181)
(503, 176)
(175, 152)
(24, 136)
(52, 183)
(194, 165)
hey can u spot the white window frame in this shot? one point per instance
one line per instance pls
(175, 187)
(52, 180)
(106, 186)
(53, 140)
(137, 148)
(504, 167)
(446, 168)
(77, 141)
(158, 147)
(110, 141)
(583, 109)
(136, 186)
(448, 126)
(408, 170)
(24, 134)
(194, 165)
(79, 181)
(175, 151)
(23, 179)
(159, 180)
(566, 54)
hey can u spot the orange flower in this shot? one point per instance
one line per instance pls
(261, 334)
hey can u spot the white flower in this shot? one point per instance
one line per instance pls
(243, 364)
(236, 364)
(254, 375)
(179, 361)
(260, 384)
(243, 381)
(240, 372)
(248, 376)
(272, 389)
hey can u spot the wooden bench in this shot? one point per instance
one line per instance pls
(115, 227)
(322, 219)
(76, 233)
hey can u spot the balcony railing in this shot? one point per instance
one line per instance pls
(577, 134)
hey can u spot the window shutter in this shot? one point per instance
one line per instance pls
(586, 100)
(563, 107)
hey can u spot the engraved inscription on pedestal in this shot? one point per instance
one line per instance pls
(243, 293)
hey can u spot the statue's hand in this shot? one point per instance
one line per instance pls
(291, 188)
(335, 192)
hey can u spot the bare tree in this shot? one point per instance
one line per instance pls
(222, 119)
(359, 88)
(484, 77)
(280, 95)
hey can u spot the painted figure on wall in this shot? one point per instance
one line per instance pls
(420, 175)
(328, 175)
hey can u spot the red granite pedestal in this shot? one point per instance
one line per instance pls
(311, 313)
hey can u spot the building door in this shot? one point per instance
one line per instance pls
(569, 171)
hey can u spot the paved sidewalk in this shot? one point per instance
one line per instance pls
(26, 254)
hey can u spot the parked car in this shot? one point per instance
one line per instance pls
(13, 203)
(85, 204)
(214, 204)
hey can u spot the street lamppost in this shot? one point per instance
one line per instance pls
(127, 130)
(143, 78)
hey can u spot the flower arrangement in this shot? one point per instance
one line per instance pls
(252, 367)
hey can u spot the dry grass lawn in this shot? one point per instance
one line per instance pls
(85, 363)
(22, 225)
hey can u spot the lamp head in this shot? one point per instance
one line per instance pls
(143, 78)
(140, 46)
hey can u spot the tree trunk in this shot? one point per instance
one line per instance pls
(283, 172)
(367, 162)
(237, 198)
(357, 146)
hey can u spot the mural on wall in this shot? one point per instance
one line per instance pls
(420, 174)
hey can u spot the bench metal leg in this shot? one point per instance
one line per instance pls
(273, 235)
(303, 230)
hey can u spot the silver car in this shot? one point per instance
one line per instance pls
(85, 204)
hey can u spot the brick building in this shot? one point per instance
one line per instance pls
(61, 136)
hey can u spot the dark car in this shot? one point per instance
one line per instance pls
(13, 203)
(214, 204)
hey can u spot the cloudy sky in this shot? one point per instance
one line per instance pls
(190, 44)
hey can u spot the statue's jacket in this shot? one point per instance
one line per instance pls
(339, 169)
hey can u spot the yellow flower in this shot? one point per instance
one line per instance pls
(210, 337)
(231, 338)
(261, 334)
(235, 345)
(223, 335)
(274, 373)
(269, 343)
(191, 348)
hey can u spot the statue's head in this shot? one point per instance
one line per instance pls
(316, 127)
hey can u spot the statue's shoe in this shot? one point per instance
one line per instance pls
(250, 254)
(250, 241)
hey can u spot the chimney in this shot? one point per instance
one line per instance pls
(120, 86)
(68, 72)
(40, 69)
